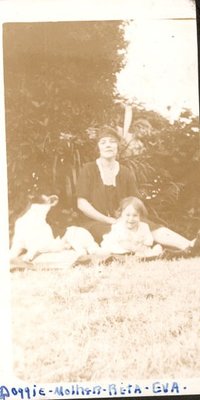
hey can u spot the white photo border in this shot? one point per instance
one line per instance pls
(44, 11)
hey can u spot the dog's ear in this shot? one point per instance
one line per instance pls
(43, 199)
(50, 200)
(53, 200)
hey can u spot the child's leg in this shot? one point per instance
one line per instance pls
(167, 237)
(146, 252)
(97, 229)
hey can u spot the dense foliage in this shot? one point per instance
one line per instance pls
(167, 170)
(59, 79)
(60, 87)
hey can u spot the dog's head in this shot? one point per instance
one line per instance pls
(51, 200)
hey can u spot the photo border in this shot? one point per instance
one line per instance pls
(44, 11)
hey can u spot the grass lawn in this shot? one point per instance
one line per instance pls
(135, 320)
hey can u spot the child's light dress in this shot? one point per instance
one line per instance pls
(122, 240)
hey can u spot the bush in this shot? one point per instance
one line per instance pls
(59, 77)
(167, 172)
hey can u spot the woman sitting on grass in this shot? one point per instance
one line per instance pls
(103, 183)
(129, 234)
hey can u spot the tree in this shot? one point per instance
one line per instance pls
(59, 79)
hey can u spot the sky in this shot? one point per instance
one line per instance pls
(161, 68)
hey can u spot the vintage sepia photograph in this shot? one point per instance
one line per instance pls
(103, 155)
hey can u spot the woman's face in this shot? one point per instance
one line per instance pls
(108, 147)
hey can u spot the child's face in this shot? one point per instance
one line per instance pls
(130, 217)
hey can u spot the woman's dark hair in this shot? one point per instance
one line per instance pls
(137, 204)
(107, 131)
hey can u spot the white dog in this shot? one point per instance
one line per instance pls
(32, 233)
(81, 240)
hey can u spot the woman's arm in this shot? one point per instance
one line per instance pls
(91, 212)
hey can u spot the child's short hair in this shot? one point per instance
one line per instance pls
(137, 204)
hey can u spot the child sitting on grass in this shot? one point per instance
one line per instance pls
(129, 234)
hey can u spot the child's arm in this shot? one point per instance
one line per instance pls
(146, 235)
(114, 242)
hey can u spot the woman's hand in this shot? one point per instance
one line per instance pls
(91, 212)
(111, 220)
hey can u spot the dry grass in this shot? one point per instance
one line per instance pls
(121, 321)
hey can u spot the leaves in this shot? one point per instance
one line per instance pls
(60, 85)
(59, 80)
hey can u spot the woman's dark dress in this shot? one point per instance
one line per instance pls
(103, 198)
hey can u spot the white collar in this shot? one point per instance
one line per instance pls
(108, 176)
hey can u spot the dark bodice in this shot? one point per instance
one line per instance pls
(105, 198)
